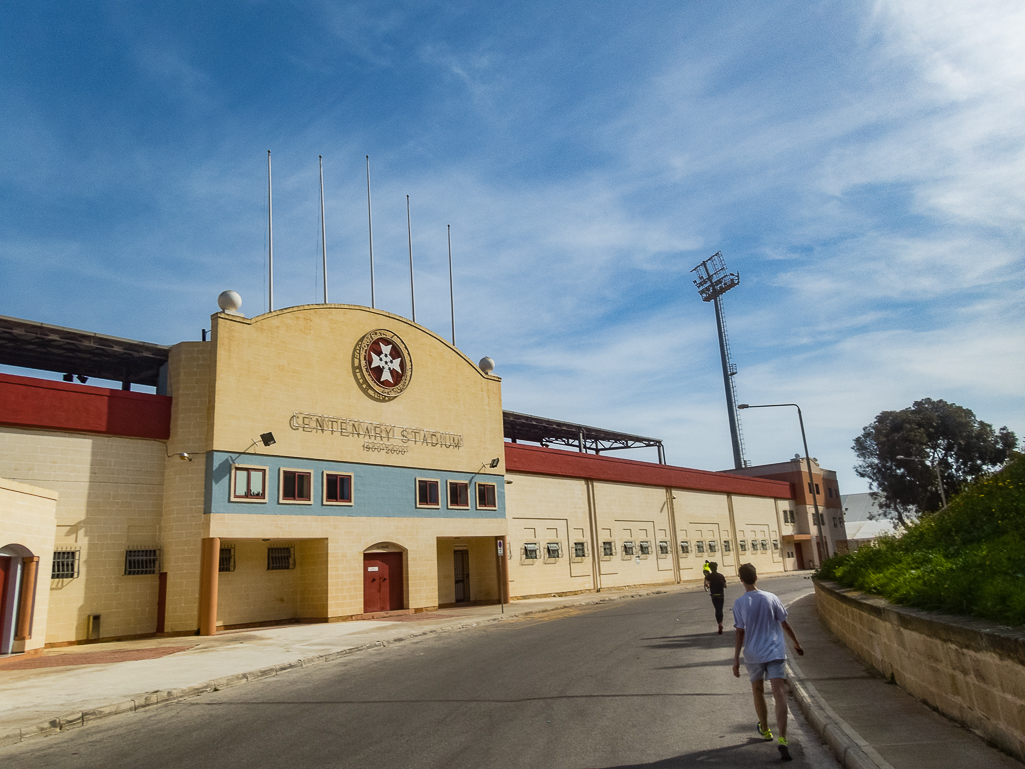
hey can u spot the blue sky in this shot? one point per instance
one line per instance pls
(861, 165)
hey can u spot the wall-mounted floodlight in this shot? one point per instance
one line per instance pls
(267, 438)
(494, 462)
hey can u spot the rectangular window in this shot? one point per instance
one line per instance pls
(65, 564)
(553, 550)
(296, 486)
(249, 484)
(726, 546)
(337, 488)
(663, 547)
(579, 549)
(458, 494)
(775, 545)
(280, 558)
(628, 547)
(765, 546)
(426, 493)
(743, 545)
(645, 547)
(487, 496)
(713, 546)
(530, 551)
(700, 545)
(141, 562)
(834, 521)
(817, 489)
(227, 559)
(684, 547)
(608, 548)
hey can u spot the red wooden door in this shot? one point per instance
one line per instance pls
(382, 582)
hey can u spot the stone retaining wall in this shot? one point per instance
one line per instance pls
(970, 670)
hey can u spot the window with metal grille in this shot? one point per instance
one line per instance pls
(775, 544)
(426, 493)
(726, 546)
(663, 547)
(628, 547)
(608, 548)
(65, 564)
(487, 496)
(280, 558)
(713, 546)
(765, 546)
(141, 562)
(337, 489)
(296, 486)
(684, 548)
(579, 549)
(227, 559)
(553, 550)
(530, 551)
(700, 545)
(249, 483)
(645, 547)
(743, 545)
(458, 494)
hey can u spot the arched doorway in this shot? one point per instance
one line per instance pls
(17, 594)
(383, 578)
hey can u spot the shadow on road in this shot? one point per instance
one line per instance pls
(725, 757)
(710, 640)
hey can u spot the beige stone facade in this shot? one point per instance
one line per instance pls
(293, 484)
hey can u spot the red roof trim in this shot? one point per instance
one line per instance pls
(520, 458)
(42, 403)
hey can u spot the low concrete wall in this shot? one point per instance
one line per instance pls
(970, 670)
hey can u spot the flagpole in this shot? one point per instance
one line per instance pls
(370, 222)
(409, 231)
(451, 289)
(323, 225)
(270, 241)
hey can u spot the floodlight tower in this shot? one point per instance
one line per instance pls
(712, 282)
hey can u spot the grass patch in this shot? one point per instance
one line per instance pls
(966, 559)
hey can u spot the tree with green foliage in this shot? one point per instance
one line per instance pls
(916, 456)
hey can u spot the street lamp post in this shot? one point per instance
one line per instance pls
(936, 468)
(807, 461)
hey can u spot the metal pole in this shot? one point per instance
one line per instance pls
(738, 462)
(811, 480)
(370, 222)
(807, 461)
(323, 225)
(409, 232)
(270, 241)
(451, 290)
(939, 482)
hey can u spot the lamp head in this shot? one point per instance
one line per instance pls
(743, 405)
(184, 457)
(268, 439)
(494, 462)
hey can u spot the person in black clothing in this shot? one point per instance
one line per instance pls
(716, 585)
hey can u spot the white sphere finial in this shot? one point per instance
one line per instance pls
(486, 365)
(229, 302)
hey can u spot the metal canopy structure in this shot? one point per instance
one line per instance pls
(27, 344)
(523, 427)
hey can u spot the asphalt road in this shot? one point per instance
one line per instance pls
(639, 683)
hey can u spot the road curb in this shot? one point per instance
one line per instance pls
(77, 719)
(849, 747)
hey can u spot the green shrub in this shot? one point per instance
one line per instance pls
(966, 559)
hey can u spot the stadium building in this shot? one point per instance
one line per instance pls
(324, 463)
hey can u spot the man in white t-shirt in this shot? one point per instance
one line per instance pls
(761, 620)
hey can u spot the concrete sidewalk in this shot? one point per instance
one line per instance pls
(866, 721)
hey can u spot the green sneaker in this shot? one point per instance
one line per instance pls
(766, 735)
(784, 749)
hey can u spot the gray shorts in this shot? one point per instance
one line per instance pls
(759, 671)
